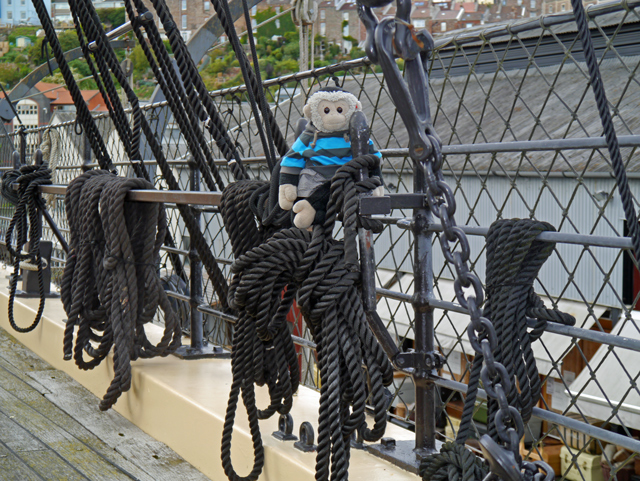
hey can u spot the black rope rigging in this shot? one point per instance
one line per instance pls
(313, 267)
(85, 15)
(514, 258)
(619, 170)
(27, 226)
(269, 148)
(252, 81)
(83, 114)
(110, 288)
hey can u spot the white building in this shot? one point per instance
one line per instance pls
(20, 12)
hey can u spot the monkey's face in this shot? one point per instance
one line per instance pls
(331, 111)
(334, 114)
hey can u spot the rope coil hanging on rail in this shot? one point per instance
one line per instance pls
(514, 258)
(318, 270)
(27, 226)
(110, 288)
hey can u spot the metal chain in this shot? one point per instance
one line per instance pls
(481, 332)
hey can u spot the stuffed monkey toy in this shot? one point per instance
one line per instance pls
(306, 170)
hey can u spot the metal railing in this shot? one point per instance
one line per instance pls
(521, 138)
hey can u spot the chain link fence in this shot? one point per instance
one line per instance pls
(522, 138)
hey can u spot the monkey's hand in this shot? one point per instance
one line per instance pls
(287, 195)
(305, 214)
(378, 191)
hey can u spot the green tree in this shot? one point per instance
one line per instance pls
(68, 40)
(139, 60)
(11, 73)
(271, 28)
(112, 16)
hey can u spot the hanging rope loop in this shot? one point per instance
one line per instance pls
(26, 224)
(317, 270)
(110, 287)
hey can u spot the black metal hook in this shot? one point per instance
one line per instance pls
(396, 37)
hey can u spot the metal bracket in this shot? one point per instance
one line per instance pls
(207, 351)
(420, 361)
(399, 453)
(384, 205)
(285, 429)
(306, 438)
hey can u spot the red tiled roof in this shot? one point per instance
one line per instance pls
(61, 96)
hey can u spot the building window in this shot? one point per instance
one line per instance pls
(277, 10)
(443, 27)
(323, 13)
(419, 23)
(277, 23)
(564, 7)
(323, 29)
(345, 16)
(254, 10)
(10, 15)
(533, 4)
(9, 2)
(254, 24)
(184, 22)
(23, 2)
(469, 25)
(207, 6)
(23, 15)
(550, 8)
(184, 4)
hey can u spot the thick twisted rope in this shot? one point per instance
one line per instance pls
(514, 258)
(110, 287)
(453, 463)
(604, 111)
(316, 268)
(84, 116)
(27, 225)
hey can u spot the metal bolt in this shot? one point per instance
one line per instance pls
(388, 443)
(400, 361)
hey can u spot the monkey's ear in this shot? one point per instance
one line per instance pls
(358, 105)
(307, 111)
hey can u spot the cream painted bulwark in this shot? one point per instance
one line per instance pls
(182, 404)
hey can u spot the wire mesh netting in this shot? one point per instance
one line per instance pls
(522, 139)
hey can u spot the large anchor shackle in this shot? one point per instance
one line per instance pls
(395, 37)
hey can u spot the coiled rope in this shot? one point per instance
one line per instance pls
(110, 288)
(514, 258)
(313, 267)
(27, 226)
(453, 463)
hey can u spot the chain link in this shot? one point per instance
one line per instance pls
(481, 331)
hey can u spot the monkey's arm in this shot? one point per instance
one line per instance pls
(288, 190)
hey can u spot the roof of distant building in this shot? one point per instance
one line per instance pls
(59, 95)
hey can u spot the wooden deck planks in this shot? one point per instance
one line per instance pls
(51, 429)
(13, 468)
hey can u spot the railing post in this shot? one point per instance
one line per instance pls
(198, 347)
(425, 401)
(23, 144)
(196, 270)
(86, 153)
